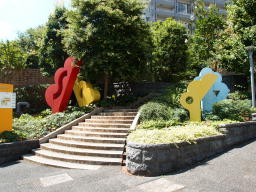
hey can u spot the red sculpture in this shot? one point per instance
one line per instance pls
(58, 94)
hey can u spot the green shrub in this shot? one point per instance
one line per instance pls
(209, 116)
(179, 114)
(238, 95)
(171, 96)
(232, 109)
(154, 111)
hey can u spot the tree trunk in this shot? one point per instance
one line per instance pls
(106, 81)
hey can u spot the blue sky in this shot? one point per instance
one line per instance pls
(19, 15)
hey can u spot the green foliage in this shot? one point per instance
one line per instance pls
(169, 55)
(30, 42)
(110, 36)
(239, 95)
(229, 52)
(232, 109)
(171, 96)
(179, 114)
(34, 95)
(209, 23)
(51, 53)
(167, 106)
(158, 111)
(11, 56)
(35, 127)
(242, 15)
(154, 111)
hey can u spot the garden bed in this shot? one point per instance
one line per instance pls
(158, 159)
(28, 127)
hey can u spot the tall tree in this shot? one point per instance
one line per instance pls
(51, 53)
(11, 56)
(242, 15)
(169, 55)
(30, 42)
(208, 24)
(110, 37)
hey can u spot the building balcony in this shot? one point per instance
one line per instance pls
(165, 4)
(219, 3)
(162, 13)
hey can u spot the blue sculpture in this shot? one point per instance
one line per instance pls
(218, 92)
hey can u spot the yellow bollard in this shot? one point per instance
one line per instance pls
(85, 93)
(5, 113)
(197, 89)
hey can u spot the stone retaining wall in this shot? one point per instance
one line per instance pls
(13, 151)
(158, 159)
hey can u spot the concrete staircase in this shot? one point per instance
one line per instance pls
(97, 141)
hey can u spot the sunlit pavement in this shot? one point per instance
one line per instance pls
(234, 170)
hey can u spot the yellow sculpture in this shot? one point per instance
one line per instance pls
(5, 113)
(197, 89)
(85, 93)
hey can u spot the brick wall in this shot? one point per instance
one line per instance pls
(21, 78)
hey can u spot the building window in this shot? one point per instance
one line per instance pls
(184, 8)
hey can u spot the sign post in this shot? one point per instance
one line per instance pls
(7, 103)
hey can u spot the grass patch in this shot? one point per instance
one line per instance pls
(187, 132)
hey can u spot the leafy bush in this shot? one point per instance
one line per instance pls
(232, 109)
(238, 95)
(154, 111)
(179, 114)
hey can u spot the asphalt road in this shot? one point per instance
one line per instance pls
(232, 171)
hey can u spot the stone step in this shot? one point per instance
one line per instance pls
(113, 117)
(80, 151)
(86, 124)
(109, 121)
(88, 145)
(78, 159)
(100, 129)
(92, 139)
(56, 163)
(118, 113)
(120, 110)
(96, 134)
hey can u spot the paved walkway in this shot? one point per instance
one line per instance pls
(233, 171)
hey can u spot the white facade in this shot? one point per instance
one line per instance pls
(181, 10)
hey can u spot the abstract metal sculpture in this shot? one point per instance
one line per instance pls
(85, 93)
(58, 94)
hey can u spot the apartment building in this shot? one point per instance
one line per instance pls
(181, 10)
